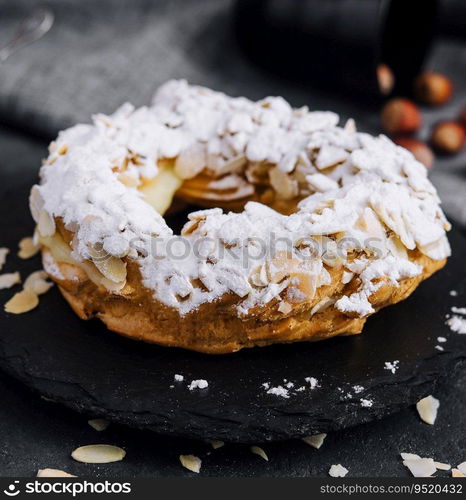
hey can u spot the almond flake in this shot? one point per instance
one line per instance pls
(315, 441)
(410, 456)
(53, 473)
(462, 467)
(442, 466)
(191, 462)
(285, 187)
(420, 467)
(427, 409)
(46, 224)
(27, 248)
(128, 180)
(112, 268)
(36, 202)
(337, 471)
(457, 473)
(22, 302)
(285, 307)
(37, 283)
(257, 450)
(191, 162)
(99, 424)
(63, 149)
(8, 280)
(98, 454)
(3, 253)
(216, 444)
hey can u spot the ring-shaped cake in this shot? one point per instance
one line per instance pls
(306, 228)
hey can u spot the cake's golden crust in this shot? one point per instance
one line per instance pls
(215, 328)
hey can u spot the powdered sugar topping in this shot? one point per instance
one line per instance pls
(355, 188)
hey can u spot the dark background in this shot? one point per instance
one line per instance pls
(99, 54)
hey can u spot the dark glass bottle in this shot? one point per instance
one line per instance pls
(339, 44)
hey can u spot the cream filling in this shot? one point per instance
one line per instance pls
(61, 252)
(111, 273)
(160, 191)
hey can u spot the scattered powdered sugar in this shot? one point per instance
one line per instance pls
(453, 293)
(313, 382)
(279, 391)
(392, 366)
(439, 348)
(441, 339)
(289, 388)
(457, 324)
(198, 384)
(366, 403)
(179, 378)
(358, 388)
(459, 310)
(375, 189)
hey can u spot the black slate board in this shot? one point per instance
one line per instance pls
(92, 370)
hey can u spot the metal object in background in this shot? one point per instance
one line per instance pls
(338, 45)
(29, 30)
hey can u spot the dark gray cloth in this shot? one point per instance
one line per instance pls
(102, 53)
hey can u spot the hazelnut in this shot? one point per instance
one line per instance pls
(400, 116)
(433, 89)
(420, 150)
(385, 78)
(448, 137)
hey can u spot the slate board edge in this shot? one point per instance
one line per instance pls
(201, 426)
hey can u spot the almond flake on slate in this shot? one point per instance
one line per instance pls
(457, 473)
(22, 302)
(337, 471)
(315, 441)
(191, 462)
(420, 467)
(409, 456)
(257, 450)
(216, 444)
(8, 280)
(53, 473)
(3, 253)
(442, 466)
(98, 454)
(99, 424)
(462, 467)
(27, 248)
(37, 283)
(48, 400)
(427, 409)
